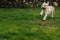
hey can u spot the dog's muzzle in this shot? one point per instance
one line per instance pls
(43, 8)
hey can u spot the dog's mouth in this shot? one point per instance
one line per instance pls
(43, 8)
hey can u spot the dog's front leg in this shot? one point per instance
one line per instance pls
(45, 16)
(41, 13)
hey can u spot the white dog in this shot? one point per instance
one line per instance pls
(46, 9)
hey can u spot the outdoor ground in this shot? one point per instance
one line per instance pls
(27, 24)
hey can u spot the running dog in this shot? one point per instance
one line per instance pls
(46, 9)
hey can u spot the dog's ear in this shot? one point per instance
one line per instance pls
(48, 3)
(44, 2)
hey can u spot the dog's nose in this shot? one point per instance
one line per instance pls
(43, 8)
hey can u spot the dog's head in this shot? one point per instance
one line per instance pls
(45, 5)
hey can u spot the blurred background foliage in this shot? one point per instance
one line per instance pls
(24, 3)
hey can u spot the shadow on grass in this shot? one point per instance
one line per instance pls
(38, 34)
(8, 35)
(2, 36)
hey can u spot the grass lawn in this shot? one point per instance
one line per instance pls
(27, 24)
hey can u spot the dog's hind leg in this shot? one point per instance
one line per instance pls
(52, 13)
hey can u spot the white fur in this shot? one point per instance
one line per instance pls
(48, 10)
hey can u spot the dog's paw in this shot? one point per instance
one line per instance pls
(40, 14)
(51, 16)
(43, 20)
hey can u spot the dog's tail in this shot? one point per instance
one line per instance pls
(54, 4)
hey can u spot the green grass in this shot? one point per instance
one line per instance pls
(27, 24)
